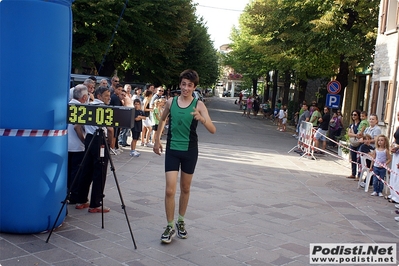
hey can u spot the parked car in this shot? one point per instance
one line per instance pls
(80, 78)
(226, 94)
(197, 94)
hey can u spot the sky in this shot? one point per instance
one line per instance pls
(220, 16)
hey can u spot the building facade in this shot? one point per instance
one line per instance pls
(384, 93)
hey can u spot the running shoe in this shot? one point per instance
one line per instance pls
(168, 234)
(181, 230)
(134, 154)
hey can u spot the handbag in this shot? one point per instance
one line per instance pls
(354, 142)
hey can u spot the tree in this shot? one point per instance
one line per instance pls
(149, 44)
(200, 54)
(315, 38)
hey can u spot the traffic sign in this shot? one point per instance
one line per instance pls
(333, 101)
(334, 87)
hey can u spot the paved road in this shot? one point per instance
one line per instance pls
(251, 203)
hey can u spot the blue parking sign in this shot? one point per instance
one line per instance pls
(333, 100)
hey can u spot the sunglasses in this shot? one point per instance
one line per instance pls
(354, 114)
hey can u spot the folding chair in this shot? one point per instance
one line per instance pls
(364, 170)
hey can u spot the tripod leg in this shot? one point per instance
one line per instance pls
(120, 195)
(69, 190)
(101, 139)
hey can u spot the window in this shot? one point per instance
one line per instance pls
(383, 96)
(389, 16)
(381, 103)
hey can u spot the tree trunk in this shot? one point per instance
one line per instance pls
(254, 86)
(267, 89)
(287, 83)
(302, 91)
(275, 78)
(343, 75)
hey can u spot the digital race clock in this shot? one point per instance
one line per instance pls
(101, 115)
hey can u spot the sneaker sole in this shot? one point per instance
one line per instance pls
(181, 236)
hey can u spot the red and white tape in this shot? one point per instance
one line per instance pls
(32, 133)
(381, 165)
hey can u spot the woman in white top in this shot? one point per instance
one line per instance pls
(373, 130)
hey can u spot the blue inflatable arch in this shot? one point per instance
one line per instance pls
(35, 64)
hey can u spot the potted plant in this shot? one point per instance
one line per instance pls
(343, 150)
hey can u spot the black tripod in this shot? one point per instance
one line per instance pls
(99, 134)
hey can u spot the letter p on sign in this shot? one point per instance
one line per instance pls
(333, 100)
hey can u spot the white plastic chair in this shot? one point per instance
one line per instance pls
(364, 169)
(386, 189)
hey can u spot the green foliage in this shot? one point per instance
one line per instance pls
(153, 43)
(313, 37)
(345, 138)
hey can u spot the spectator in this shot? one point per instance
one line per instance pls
(95, 167)
(151, 87)
(116, 101)
(136, 130)
(147, 126)
(137, 95)
(244, 107)
(382, 157)
(168, 94)
(277, 111)
(114, 82)
(323, 129)
(304, 117)
(127, 101)
(76, 147)
(266, 109)
(352, 133)
(250, 102)
(156, 96)
(103, 83)
(316, 115)
(280, 117)
(363, 124)
(373, 130)
(156, 116)
(394, 177)
(314, 104)
(90, 85)
(366, 149)
(335, 128)
(284, 119)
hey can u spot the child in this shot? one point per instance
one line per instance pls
(382, 157)
(161, 109)
(250, 103)
(138, 126)
(366, 148)
(364, 123)
(155, 116)
(283, 118)
(244, 108)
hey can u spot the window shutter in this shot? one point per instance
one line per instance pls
(383, 18)
(397, 15)
(374, 100)
(388, 103)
